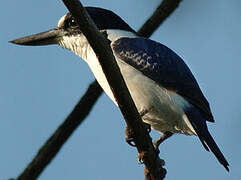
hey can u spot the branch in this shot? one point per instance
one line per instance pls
(61, 135)
(163, 11)
(49, 150)
(113, 75)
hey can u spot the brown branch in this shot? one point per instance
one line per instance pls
(64, 131)
(49, 150)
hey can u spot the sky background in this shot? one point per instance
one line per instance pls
(41, 85)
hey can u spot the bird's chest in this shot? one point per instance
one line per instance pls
(156, 102)
(162, 109)
(137, 84)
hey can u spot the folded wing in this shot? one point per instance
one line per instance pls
(164, 66)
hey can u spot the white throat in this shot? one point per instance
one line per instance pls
(80, 46)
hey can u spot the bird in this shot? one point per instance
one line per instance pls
(162, 86)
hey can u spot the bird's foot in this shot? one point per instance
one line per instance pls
(147, 126)
(140, 158)
(129, 136)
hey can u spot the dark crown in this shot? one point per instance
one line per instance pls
(104, 19)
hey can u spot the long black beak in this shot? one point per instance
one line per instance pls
(44, 38)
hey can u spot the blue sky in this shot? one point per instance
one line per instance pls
(41, 85)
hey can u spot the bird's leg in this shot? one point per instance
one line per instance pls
(156, 144)
(129, 133)
(162, 138)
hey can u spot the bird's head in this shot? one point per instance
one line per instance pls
(67, 29)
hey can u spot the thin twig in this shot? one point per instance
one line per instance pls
(49, 150)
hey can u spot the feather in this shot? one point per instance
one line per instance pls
(164, 66)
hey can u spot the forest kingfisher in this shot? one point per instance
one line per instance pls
(163, 88)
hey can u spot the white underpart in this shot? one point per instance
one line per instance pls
(165, 108)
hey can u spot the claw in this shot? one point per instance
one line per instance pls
(148, 127)
(140, 158)
(129, 136)
(130, 142)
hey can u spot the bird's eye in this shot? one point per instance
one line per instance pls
(72, 23)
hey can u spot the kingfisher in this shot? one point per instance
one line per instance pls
(163, 88)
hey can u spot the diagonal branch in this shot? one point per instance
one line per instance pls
(52, 146)
(163, 11)
(49, 150)
(114, 77)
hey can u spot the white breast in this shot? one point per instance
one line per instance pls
(165, 108)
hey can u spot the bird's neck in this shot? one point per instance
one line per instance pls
(80, 46)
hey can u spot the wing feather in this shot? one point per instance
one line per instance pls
(164, 66)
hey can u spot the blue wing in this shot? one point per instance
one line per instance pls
(164, 66)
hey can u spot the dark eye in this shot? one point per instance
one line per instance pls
(71, 23)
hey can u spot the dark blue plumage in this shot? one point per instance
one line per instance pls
(165, 67)
(106, 19)
(200, 126)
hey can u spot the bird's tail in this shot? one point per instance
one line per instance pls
(199, 125)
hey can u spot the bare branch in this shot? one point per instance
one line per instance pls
(64, 131)
(49, 150)
(161, 13)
